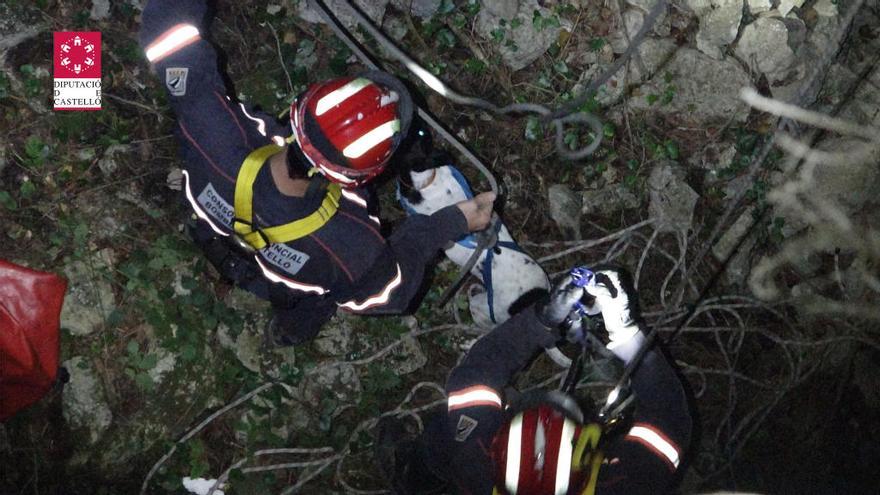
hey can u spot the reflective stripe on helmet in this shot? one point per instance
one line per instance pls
(478, 395)
(261, 124)
(354, 198)
(381, 298)
(514, 446)
(563, 459)
(171, 40)
(197, 208)
(656, 441)
(274, 277)
(366, 142)
(339, 95)
(341, 178)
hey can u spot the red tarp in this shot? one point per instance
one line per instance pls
(30, 308)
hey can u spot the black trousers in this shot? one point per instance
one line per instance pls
(299, 316)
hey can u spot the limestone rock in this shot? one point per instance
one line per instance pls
(633, 19)
(418, 8)
(764, 46)
(505, 9)
(758, 6)
(335, 338)
(407, 357)
(373, 9)
(100, 10)
(653, 53)
(339, 382)
(785, 6)
(565, 208)
(608, 200)
(395, 28)
(84, 403)
(525, 43)
(705, 90)
(663, 23)
(719, 26)
(246, 345)
(672, 200)
(108, 163)
(826, 8)
(89, 300)
(714, 157)
(174, 180)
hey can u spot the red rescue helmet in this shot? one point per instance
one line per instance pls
(543, 450)
(348, 128)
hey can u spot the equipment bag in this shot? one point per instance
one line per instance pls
(30, 308)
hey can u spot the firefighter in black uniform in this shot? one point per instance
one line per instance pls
(284, 215)
(482, 446)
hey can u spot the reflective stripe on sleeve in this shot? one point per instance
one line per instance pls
(197, 208)
(381, 298)
(479, 395)
(656, 441)
(371, 139)
(171, 41)
(261, 124)
(514, 450)
(293, 284)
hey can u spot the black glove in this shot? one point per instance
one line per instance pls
(559, 311)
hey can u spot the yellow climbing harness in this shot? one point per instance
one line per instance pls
(243, 223)
(588, 439)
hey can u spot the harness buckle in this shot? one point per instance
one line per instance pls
(240, 238)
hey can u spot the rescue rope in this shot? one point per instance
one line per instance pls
(566, 116)
(485, 238)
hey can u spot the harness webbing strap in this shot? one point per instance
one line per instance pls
(589, 439)
(242, 221)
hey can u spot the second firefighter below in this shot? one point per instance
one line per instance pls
(546, 442)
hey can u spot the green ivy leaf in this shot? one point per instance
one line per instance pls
(7, 201)
(27, 189)
(561, 67)
(671, 149)
(132, 347)
(446, 6)
(533, 129)
(608, 130)
(445, 38)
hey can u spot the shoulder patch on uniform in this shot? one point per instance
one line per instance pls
(466, 425)
(175, 80)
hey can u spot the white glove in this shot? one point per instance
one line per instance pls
(558, 312)
(613, 301)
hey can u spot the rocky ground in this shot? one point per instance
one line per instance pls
(780, 354)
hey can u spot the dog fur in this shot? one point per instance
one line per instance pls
(516, 278)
